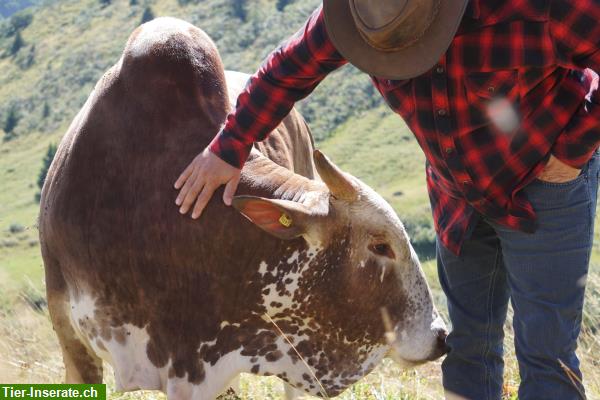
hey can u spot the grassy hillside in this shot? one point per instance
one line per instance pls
(51, 57)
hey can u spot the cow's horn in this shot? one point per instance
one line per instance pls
(338, 183)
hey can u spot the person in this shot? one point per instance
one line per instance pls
(501, 96)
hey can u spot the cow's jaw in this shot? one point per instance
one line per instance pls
(417, 338)
(417, 333)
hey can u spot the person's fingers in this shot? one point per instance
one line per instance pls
(186, 187)
(192, 193)
(203, 199)
(230, 189)
(184, 176)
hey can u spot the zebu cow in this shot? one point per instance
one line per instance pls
(184, 306)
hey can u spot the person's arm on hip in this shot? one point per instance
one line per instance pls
(575, 36)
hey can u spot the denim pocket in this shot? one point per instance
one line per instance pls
(591, 164)
(566, 184)
(549, 195)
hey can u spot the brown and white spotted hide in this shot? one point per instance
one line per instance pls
(298, 269)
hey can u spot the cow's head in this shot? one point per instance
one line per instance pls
(358, 292)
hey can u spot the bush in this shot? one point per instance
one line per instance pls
(46, 110)
(239, 9)
(50, 153)
(148, 15)
(20, 21)
(16, 228)
(422, 236)
(281, 4)
(105, 3)
(18, 42)
(9, 243)
(10, 123)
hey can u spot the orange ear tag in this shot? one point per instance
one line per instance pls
(285, 220)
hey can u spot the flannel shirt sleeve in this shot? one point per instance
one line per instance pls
(288, 75)
(575, 33)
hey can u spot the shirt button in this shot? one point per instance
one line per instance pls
(491, 89)
(439, 69)
(466, 182)
(449, 150)
(441, 112)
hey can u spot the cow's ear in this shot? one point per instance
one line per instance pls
(282, 218)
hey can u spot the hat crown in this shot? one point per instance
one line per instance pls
(391, 25)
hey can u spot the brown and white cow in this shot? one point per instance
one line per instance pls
(184, 306)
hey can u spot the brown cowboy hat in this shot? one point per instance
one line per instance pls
(393, 39)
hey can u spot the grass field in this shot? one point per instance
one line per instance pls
(75, 41)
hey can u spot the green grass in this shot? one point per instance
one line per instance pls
(19, 253)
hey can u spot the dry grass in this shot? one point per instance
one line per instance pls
(30, 354)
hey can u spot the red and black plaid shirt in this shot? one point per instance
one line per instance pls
(510, 91)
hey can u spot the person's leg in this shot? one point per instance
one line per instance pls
(476, 290)
(546, 274)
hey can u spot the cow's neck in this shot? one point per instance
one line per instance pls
(265, 178)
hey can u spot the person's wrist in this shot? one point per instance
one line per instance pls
(216, 147)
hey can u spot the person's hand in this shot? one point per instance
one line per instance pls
(201, 178)
(557, 171)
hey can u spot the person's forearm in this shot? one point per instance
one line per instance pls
(289, 74)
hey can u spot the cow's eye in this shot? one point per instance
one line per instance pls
(382, 249)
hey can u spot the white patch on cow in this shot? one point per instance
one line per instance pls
(314, 248)
(262, 268)
(83, 308)
(317, 201)
(274, 301)
(216, 380)
(294, 257)
(227, 323)
(125, 350)
(133, 369)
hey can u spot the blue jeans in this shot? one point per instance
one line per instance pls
(542, 274)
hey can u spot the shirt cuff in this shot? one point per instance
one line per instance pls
(574, 154)
(230, 149)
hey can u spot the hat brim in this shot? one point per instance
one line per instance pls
(406, 63)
